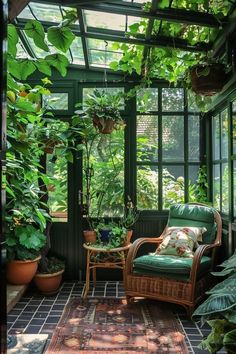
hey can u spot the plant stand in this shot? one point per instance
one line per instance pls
(103, 257)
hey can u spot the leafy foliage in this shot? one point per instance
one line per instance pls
(219, 310)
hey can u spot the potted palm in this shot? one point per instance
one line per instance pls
(104, 110)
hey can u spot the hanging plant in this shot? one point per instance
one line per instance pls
(208, 78)
(104, 110)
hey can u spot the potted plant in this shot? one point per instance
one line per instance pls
(86, 134)
(219, 310)
(49, 274)
(23, 244)
(208, 77)
(104, 110)
(49, 135)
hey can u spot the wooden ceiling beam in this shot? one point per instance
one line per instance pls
(15, 8)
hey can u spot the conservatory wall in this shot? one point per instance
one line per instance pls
(222, 159)
(163, 156)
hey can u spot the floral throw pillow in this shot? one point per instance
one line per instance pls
(180, 241)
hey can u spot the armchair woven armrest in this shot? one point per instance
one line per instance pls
(135, 247)
(197, 259)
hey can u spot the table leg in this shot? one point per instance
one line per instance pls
(123, 264)
(94, 276)
(87, 275)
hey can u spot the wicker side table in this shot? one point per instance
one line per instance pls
(103, 258)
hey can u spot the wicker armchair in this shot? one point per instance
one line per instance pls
(182, 281)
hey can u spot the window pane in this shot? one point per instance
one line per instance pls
(192, 107)
(172, 99)
(216, 186)
(193, 138)
(173, 138)
(216, 137)
(172, 185)
(147, 100)
(57, 171)
(225, 188)
(147, 187)
(105, 20)
(107, 174)
(224, 134)
(57, 101)
(77, 51)
(234, 126)
(147, 138)
(100, 54)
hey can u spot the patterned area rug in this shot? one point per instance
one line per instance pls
(26, 343)
(102, 326)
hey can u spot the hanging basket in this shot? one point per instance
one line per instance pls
(105, 126)
(207, 80)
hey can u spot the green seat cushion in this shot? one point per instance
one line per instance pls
(168, 266)
(194, 215)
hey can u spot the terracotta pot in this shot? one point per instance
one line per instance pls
(48, 284)
(105, 126)
(212, 82)
(128, 238)
(90, 236)
(21, 272)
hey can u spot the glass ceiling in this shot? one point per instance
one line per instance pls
(100, 27)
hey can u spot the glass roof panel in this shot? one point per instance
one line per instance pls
(26, 13)
(132, 20)
(77, 51)
(49, 12)
(100, 56)
(201, 33)
(105, 20)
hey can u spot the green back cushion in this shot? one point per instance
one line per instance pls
(194, 215)
(168, 266)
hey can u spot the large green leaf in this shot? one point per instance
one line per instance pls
(224, 272)
(231, 315)
(60, 37)
(30, 238)
(13, 38)
(214, 341)
(230, 263)
(35, 30)
(229, 342)
(21, 68)
(216, 303)
(58, 61)
(43, 67)
(228, 284)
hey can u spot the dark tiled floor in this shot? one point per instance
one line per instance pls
(35, 313)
